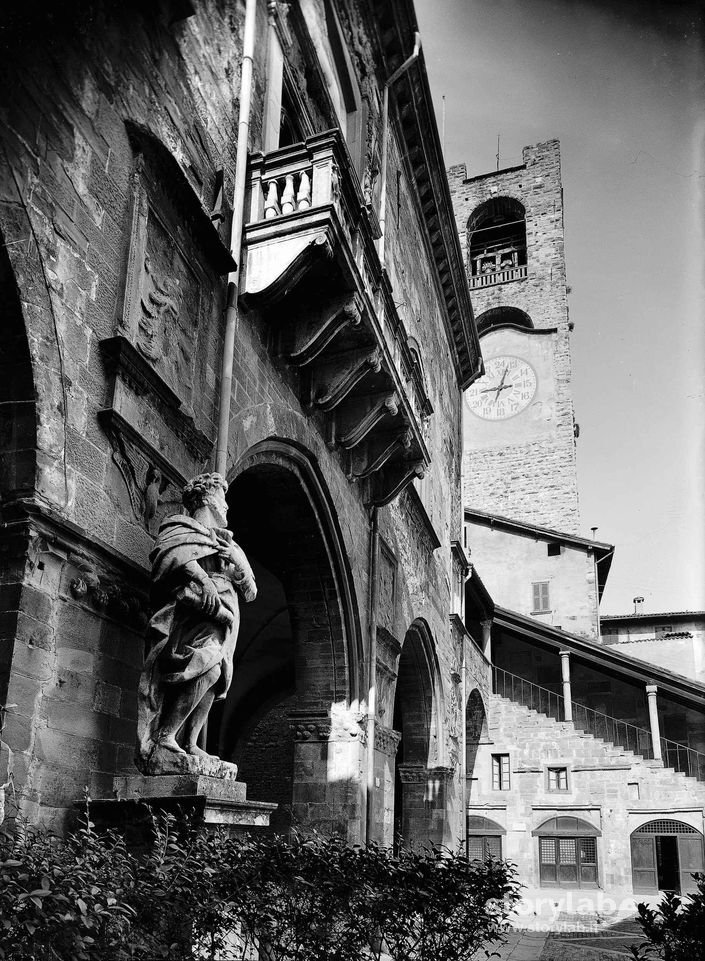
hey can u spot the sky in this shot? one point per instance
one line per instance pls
(622, 86)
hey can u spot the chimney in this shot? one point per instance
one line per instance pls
(638, 605)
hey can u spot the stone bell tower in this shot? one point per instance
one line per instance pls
(519, 425)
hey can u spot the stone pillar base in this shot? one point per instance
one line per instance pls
(214, 802)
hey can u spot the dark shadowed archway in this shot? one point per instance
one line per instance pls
(420, 784)
(296, 675)
(18, 441)
(18, 430)
(476, 733)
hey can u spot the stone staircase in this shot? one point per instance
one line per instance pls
(538, 738)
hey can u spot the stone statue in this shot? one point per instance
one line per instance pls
(197, 573)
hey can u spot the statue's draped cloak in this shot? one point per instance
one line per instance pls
(186, 643)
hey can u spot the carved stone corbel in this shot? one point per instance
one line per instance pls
(333, 380)
(393, 478)
(368, 459)
(363, 416)
(311, 333)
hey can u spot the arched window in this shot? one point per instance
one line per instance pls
(484, 838)
(567, 853)
(497, 242)
(665, 855)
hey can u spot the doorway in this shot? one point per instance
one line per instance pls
(665, 855)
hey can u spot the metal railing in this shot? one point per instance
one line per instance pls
(610, 729)
(682, 758)
(527, 693)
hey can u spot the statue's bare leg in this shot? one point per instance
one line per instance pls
(194, 726)
(179, 712)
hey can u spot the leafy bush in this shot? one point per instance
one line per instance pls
(208, 895)
(675, 929)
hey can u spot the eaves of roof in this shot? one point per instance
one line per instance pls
(648, 640)
(603, 552)
(647, 618)
(424, 159)
(607, 657)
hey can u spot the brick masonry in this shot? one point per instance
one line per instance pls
(525, 467)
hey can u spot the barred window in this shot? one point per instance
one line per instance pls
(568, 862)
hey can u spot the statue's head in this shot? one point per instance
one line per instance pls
(206, 490)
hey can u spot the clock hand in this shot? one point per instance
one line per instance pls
(501, 383)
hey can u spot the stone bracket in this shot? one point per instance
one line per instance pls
(391, 481)
(369, 458)
(357, 420)
(333, 381)
(310, 334)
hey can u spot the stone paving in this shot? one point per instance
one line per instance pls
(568, 943)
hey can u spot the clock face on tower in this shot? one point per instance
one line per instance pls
(507, 388)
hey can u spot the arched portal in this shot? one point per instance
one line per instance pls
(420, 784)
(296, 669)
(18, 435)
(476, 733)
(18, 432)
(665, 855)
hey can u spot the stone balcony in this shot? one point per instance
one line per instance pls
(499, 276)
(311, 266)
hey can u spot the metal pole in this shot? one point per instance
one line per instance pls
(231, 313)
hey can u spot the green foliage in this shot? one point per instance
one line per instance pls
(675, 929)
(193, 893)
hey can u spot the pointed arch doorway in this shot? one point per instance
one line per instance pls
(289, 720)
(421, 781)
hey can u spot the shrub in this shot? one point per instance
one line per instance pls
(194, 893)
(675, 929)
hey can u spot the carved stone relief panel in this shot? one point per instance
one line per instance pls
(152, 490)
(163, 291)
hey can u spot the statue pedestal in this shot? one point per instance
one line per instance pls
(213, 801)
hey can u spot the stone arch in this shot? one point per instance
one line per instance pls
(503, 317)
(496, 237)
(18, 441)
(296, 682)
(665, 854)
(18, 437)
(420, 783)
(30, 328)
(476, 733)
